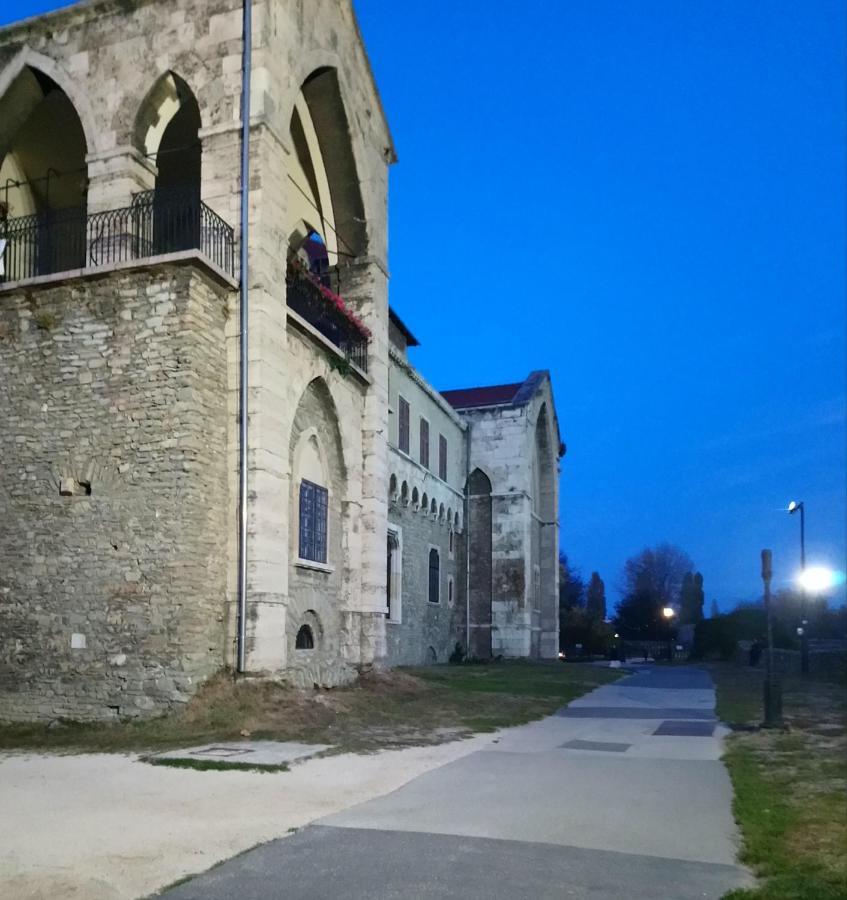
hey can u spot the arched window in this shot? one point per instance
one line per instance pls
(392, 488)
(441, 514)
(416, 499)
(434, 575)
(313, 501)
(404, 494)
(433, 508)
(305, 639)
(43, 178)
(425, 504)
(167, 130)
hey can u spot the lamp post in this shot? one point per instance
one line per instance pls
(794, 507)
(773, 691)
(668, 612)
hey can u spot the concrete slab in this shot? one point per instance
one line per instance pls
(685, 729)
(570, 799)
(628, 712)
(603, 746)
(253, 753)
(321, 862)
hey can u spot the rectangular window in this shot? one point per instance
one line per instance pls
(450, 591)
(403, 425)
(442, 457)
(434, 576)
(424, 443)
(314, 508)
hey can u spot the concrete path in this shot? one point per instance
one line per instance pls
(620, 795)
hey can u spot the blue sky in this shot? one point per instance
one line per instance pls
(647, 198)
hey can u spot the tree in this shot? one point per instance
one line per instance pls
(652, 580)
(715, 611)
(595, 598)
(691, 599)
(659, 570)
(571, 586)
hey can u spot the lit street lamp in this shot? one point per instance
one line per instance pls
(669, 612)
(793, 507)
(816, 579)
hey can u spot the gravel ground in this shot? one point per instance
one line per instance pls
(103, 826)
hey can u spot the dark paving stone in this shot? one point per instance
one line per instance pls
(686, 729)
(343, 863)
(630, 712)
(669, 678)
(596, 745)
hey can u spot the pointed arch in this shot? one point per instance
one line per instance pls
(324, 191)
(544, 467)
(27, 58)
(166, 130)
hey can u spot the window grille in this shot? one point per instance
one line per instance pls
(314, 507)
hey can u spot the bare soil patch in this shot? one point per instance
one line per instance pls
(383, 710)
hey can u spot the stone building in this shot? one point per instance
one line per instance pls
(382, 522)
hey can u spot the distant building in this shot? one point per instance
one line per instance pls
(385, 522)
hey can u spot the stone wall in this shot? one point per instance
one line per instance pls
(113, 500)
(427, 632)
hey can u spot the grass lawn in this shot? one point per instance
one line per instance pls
(790, 785)
(391, 709)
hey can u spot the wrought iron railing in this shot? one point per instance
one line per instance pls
(305, 297)
(157, 222)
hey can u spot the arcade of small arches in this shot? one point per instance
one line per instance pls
(421, 503)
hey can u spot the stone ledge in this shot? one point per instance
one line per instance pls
(313, 333)
(180, 257)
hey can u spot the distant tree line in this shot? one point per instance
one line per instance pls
(582, 611)
(663, 577)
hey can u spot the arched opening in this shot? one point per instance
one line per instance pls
(404, 494)
(305, 639)
(545, 571)
(317, 480)
(416, 499)
(425, 504)
(43, 178)
(392, 488)
(394, 576)
(433, 508)
(327, 222)
(441, 514)
(323, 184)
(544, 469)
(480, 562)
(167, 132)
(434, 575)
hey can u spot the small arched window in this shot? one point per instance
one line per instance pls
(305, 639)
(434, 576)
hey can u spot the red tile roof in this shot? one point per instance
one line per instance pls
(493, 395)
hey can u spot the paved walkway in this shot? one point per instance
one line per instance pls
(620, 795)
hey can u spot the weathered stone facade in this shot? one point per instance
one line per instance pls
(113, 503)
(119, 359)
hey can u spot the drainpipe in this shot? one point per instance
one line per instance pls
(246, 55)
(467, 542)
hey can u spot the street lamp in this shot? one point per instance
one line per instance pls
(816, 579)
(669, 612)
(794, 507)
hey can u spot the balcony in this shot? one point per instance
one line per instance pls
(157, 222)
(327, 313)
